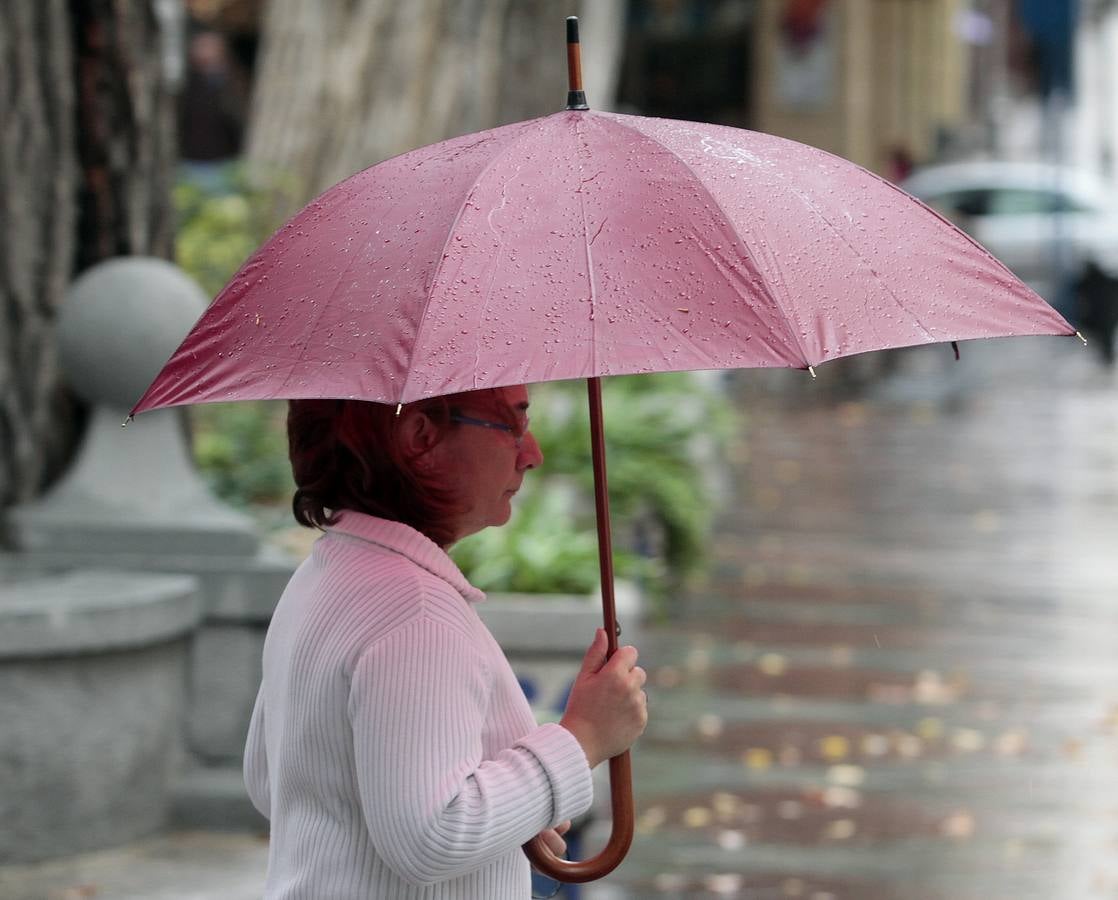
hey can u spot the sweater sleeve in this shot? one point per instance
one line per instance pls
(434, 807)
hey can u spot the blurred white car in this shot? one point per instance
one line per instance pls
(1046, 223)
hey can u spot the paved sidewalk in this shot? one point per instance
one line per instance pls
(177, 866)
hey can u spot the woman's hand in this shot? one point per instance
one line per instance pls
(553, 838)
(607, 709)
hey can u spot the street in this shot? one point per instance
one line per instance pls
(900, 680)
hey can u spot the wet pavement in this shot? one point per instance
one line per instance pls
(901, 680)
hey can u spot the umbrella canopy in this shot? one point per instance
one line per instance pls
(588, 244)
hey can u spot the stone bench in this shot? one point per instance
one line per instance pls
(93, 673)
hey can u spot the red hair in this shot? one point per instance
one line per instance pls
(349, 454)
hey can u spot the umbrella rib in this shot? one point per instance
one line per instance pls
(862, 259)
(444, 255)
(786, 318)
(587, 243)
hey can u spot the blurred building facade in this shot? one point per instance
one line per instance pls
(1094, 142)
(881, 82)
(885, 83)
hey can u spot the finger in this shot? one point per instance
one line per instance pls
(553, 842)
(639, 676)
(563, 827)
(595, 656)
(624, 659)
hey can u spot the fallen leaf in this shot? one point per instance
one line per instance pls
(709, 726)
(840, 830)
(930, 729)
(731, 840)
(758, 758)
(849, 776)
(875, 744)
(667, 677)
(728, 883)
(651, 819)
(697, 817)
(834, 747)
(726, 806)
(790, 810)
(772, 664)
(790, 756)
(1011, 743)
(959, 825)
(669, 881)
(967, 740)
(841, 797)
(908, 746)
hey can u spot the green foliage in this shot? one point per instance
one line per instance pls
(658, 429)
(241, 449)
(661, 432)
(218, 231)
(542, 550)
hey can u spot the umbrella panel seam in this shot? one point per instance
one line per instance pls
(785, 317)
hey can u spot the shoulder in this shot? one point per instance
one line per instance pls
(378, 590)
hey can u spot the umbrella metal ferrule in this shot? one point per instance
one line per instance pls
(577, 100)
(811, 371)
(1080, 336)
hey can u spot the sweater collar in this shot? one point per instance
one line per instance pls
(406, 541)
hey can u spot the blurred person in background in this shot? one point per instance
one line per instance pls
(1095, 297)
(211, 112)
(391, 745)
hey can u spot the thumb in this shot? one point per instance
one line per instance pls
(596, 653)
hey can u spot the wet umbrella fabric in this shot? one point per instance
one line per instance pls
(588, 244)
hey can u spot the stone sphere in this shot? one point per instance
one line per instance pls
(120, 321)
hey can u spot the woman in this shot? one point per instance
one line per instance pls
(391, 746)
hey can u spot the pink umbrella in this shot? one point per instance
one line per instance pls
(585, 244)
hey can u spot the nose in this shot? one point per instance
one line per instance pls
(530, 455)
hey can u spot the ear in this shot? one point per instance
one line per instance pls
(417, 432)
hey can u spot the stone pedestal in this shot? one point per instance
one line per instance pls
(133, 501)
(93, 680)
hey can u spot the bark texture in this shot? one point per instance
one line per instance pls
(86, 160)
(343, 84)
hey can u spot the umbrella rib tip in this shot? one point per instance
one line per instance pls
(1079, 335)
(811, 371)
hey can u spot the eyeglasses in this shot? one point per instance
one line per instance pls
(518, 439)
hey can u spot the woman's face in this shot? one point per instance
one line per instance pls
(486, 465)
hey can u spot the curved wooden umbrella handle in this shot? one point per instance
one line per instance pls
(621, 834)
(620, 767)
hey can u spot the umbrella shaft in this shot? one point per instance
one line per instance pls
(601, 504)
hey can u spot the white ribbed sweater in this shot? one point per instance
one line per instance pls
(391, 746)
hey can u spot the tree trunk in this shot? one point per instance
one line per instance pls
(343, 84)
(86, 157)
